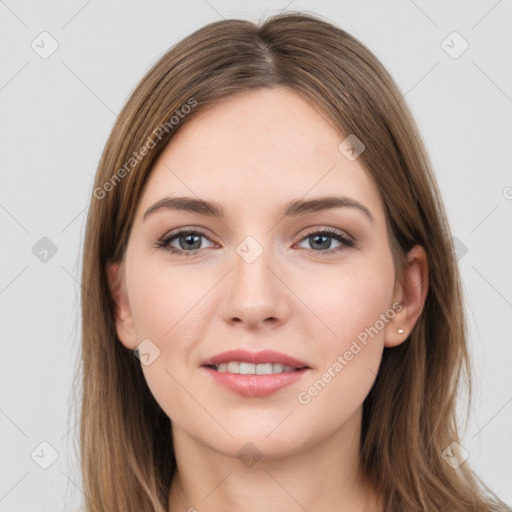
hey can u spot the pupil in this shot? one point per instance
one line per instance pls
(320, 237)
(190, 241)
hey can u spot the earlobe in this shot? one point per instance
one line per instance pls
(411, 295)
(123, 317)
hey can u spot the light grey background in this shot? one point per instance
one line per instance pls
(57, 113)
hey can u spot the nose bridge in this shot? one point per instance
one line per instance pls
(251, 265)
(255, 294)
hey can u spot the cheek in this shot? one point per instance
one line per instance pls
(360, 303)
(162, 306)
(163, 298)
(169, 306)
(349, 301)
(356, 309)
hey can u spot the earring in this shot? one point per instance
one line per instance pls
(400, 331)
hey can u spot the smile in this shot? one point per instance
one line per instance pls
(244, 368)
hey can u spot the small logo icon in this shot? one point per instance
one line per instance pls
(454, 455)
(147, 352)
(460, 248)
(249, 249)
(44, 250)
(351, 147)
(249, 455)
(454, 45)
(44, 45)
(44, 455)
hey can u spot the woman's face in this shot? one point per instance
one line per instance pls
(257, 279)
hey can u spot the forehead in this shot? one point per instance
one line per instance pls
(259, 148)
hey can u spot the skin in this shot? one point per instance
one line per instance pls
(252, 153)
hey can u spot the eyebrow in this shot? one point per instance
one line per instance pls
(292, 209)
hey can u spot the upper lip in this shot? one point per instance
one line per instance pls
(264, 356)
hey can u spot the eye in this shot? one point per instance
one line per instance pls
(321, 240)
(189, 242)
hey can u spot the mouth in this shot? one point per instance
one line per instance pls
(246, 362)
(255, 374)
(244, 368)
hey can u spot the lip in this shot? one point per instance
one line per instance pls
(264, 356)
(255, 385)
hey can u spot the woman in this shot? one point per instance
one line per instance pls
(271, 308)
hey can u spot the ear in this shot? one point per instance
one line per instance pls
(411, 295)
(123, 317)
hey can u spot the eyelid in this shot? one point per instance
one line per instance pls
(203, 231)
(345, 240)
(176, 233)
(328, 229)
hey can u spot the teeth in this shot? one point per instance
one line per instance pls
(254, 369)
(245, 368)
(232, 367)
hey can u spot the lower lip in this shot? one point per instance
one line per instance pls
(255, 385)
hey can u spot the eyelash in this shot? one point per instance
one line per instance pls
(346, 243)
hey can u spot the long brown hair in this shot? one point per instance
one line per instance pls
(127, 457)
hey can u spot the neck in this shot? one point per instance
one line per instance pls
(323, 477)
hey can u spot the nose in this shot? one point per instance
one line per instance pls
(255, 295)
